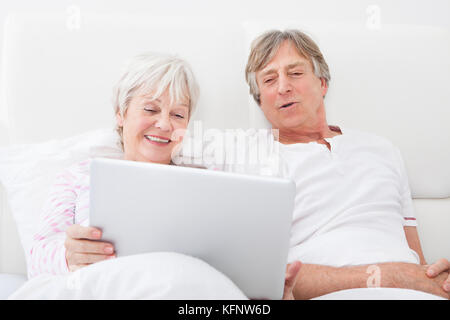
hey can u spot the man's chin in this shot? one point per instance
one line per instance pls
(289, 124)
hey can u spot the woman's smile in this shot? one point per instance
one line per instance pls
(157, 140)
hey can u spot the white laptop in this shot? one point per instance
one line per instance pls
(239, 224)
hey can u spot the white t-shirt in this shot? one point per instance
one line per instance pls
(352, 201)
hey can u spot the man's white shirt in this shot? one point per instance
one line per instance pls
(351, 202)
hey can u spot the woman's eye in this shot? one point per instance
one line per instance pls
(179, 116)
(268, 80)
(150, 110)
(297, 73)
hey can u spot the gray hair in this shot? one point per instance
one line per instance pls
(265, 47)
(157, 72)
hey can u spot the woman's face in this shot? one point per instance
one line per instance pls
(152, 128)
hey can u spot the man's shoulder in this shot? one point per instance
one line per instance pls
(358, 136)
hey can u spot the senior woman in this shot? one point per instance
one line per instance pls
(153, 100)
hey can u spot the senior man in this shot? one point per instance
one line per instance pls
(353, 224)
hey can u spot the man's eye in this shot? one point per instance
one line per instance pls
(179, 116)
(268, 80)
(150, 110)
(297, 73)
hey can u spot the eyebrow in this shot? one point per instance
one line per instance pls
(296, 64)
(182, 105)
(289, 66)
(149, 99)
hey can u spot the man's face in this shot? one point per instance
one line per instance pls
(291, 95)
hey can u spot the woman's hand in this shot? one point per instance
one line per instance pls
(442, 265)
(292, 270)
(84, 248)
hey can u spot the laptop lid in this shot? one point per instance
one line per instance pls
(239, 224)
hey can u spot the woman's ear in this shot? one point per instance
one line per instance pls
(119, 119)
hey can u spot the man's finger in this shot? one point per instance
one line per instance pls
(446, 285)
(291, 274)
(436, 268)
(79, 232)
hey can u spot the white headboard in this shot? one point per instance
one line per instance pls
(57, 80)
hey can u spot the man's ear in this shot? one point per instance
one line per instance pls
(324, 86)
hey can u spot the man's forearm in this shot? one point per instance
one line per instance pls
(317, 280)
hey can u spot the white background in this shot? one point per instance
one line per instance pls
(410, 12)
(424, 12)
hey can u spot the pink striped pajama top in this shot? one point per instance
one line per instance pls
(67, 204)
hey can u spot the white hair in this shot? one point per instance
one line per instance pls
(156, 72)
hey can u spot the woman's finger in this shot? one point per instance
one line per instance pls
(76, 231)
(89, 246)
(89, 258)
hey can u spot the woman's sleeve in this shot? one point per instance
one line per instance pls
(47, 253)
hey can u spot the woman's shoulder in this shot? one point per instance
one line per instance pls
(75, 171)
(81, 167)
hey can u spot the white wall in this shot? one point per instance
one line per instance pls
(359, 12)
(422, 12)
(434, 12)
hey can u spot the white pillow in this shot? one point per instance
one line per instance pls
(28, 171)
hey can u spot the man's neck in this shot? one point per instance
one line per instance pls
(308, 135)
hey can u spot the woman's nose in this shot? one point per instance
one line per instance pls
(163, 122)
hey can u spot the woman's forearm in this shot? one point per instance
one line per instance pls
(47, 257)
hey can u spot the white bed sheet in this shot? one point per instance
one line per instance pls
(10, 283)
(162, 275)
(159, 275)
(379, 294)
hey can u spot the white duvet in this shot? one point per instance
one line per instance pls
(159, 275)
(164, 275)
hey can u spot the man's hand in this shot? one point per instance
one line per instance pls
(439, 267)
(84, 248)
(413, 276)
(292, 270)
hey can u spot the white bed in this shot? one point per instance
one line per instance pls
(57, 82)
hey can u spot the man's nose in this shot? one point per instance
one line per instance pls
(284, 85)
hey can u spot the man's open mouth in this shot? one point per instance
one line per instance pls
(287, 105)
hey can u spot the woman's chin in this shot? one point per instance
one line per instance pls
(152, 158)
(156, 159)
